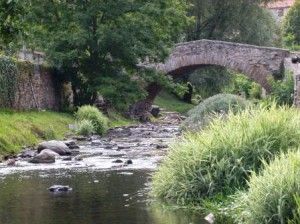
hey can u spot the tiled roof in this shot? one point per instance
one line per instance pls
(280, 4)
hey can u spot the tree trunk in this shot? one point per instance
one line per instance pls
(141, 109)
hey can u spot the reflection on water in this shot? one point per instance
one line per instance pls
(97, 198)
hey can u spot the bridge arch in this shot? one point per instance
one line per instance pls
(258, 63)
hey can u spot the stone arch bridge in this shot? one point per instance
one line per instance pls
(254, 61)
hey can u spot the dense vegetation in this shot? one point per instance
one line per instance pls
(272, 195)
(220, 159)
(217, 105)
(91, 120)
(291, 27)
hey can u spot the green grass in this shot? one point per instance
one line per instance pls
(19, 129)
(273, 194)
(117, 120)
(172, 103)
(220, 159)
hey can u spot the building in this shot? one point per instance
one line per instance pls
(280, 8)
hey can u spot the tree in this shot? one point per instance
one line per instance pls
(232, 20)
(291, 25)
(100, 43)
(11, 12)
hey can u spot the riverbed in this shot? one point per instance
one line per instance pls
(106, 188)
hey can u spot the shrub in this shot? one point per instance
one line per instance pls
(85, 127)
(218, 104)
(242, 85)
(291, 25)
(272, 195)
(220, 158)
(283, 90)
(91, 113)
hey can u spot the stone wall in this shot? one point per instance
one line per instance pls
(254, 61)
(36, 88)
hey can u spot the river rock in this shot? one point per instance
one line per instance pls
(79, 158)
(118, 161)
(28, 153)
(57, 146)
(11, 162)
(68, 158)
(129, 162)
(71, 144)
(60, 188)
(155, 111)
(210, 218)
(45, 156)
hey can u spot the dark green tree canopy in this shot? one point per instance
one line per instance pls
(291, 25)
(99, 42)
(243, 21)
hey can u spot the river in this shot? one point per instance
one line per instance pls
(103, 192)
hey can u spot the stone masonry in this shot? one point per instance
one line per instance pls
(258, 63)
(36, 89)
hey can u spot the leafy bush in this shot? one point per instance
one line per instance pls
(220, 158)
(85, 127)
(271, 197)
(218, 104)
(242, 85)
(91, 113)
(282, 90)
(291, 25)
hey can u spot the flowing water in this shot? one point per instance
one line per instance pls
(103, 192)
(110, 197)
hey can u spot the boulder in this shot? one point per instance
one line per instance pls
(57, 146)
(45, 156)
(155, 111)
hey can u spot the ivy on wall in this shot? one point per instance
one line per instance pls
(8, 81)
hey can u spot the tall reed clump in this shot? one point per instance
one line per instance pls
(273, 195)
(92, 114)
(219, 104)
(219, 159)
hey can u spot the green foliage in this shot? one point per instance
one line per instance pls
(11, 26)
(291, 25)
(283, 90)
(8, 81)
(218, 20)
(210, 80)
(220, 104)
(91, 113)
(100, 43)
(171, 103)
(271, 194)
(220, 159)
(241, 85)
(85, 127)
(20, 129)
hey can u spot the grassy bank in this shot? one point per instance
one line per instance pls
(19, 129)
(219, 160)
(172, 103)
